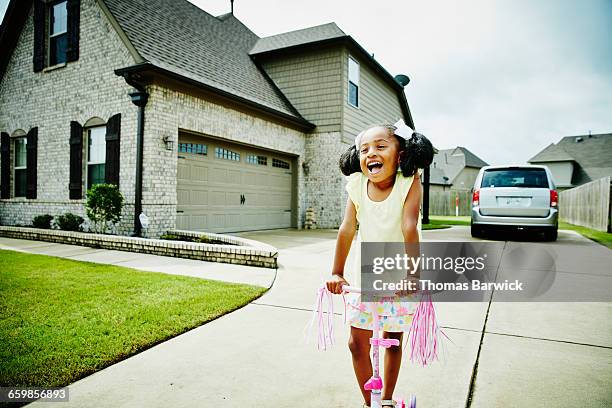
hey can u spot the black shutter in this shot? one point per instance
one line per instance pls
(39, 35)
(76, 161)
(74, 17)
(113, 130)
(5, 171)
(31, 162)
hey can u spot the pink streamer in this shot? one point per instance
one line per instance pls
(325, 326)
(424, 333)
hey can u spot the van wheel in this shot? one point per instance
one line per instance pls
(476, 231)
(551, 234)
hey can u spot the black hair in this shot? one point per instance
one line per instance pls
(415, 153)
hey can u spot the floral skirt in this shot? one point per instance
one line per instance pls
(393, 316)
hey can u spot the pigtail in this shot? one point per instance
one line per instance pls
(349, 161)
(417, 154)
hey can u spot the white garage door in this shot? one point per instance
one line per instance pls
(225, 187)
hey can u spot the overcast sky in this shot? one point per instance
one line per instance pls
(503, 78)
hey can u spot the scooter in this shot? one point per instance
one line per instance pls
(375, 383)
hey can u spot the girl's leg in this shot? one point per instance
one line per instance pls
(393, 360)
(359, 344)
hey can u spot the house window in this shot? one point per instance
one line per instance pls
(353, 82)
(221, 153)
(260, 160)
(20, 166)
(281, 164)
(96, 155)
(195, 148)
(58, 32)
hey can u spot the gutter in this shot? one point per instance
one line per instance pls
(139, 98)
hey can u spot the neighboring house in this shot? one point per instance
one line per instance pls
(202, 124)
(576, 160)
(454, 169)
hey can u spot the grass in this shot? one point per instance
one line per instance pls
(604, 238)
(441, 221)
(61, 320)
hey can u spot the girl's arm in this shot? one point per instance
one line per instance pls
(410, 219)
(410, 214)
(346, 233)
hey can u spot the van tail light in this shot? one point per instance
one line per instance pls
(476, 197)
(554, 198)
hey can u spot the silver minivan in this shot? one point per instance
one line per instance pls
(522, 197)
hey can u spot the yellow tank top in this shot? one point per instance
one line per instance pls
(378, 221)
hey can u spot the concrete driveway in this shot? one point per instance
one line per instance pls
(502, 355)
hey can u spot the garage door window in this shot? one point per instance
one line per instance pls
(260, 160)
(281, 164)
(195, 148)
(221, 153)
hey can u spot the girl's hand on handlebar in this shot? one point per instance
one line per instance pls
(335, 284)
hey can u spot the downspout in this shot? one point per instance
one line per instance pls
(139, 98)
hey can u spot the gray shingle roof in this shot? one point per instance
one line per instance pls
(181, 38)
(552, 152)
(297, 37)
(449, 163)
(593, 154)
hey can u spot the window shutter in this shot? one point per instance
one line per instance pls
(39, 35)
(74, 18)
(5, 171)
(113, 129)
(76, 161)
(31, 163)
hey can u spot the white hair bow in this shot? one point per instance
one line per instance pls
(401, 130)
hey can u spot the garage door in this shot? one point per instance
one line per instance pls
(225, 187)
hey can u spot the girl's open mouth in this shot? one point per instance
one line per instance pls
(374, 167)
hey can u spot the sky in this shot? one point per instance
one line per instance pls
(503, 78)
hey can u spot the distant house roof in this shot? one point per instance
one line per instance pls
(591, 153)
(448, 163)
(297, 37)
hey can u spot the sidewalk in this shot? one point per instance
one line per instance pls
(503, 354)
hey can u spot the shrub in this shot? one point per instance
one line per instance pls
(69, 222)
(104, 204)
(42, 221)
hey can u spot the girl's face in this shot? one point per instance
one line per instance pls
(379, 154)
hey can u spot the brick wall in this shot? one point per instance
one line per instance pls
(79, 91)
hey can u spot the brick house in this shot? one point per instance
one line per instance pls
(201, 123)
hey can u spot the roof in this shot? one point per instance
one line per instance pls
(449, 163)
(180, 37)
(592, 154)
(297, 37)
(552, 152)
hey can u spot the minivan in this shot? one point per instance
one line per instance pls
(522, 197)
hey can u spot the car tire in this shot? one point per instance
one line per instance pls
(551, 234)
(476, 231)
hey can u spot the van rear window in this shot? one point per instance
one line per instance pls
(515, 178)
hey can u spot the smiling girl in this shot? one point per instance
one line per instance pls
(384, 188)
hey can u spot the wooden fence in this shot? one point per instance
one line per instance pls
(443, 202)
(587, 205)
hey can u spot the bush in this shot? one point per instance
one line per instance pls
(104, 204)
(69, 222)
(42, 221)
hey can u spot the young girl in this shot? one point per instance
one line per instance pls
(385, 192)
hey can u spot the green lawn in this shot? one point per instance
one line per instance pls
(441, 221)
(61, 320)
(604, 238)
